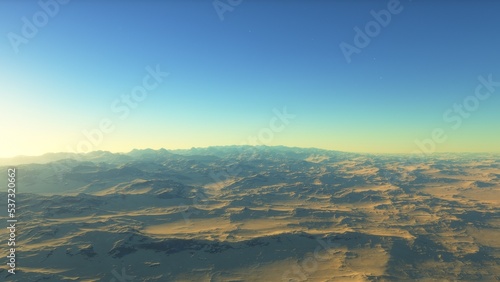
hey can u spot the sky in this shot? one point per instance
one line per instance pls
(86, 75)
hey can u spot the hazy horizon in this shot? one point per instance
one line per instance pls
(410, 154)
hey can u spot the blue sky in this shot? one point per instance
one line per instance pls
(227, 76)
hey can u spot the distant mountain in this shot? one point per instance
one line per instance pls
(147, 154)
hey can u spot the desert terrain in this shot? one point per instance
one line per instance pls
(246, 213)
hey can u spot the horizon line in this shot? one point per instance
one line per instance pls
(414, 153)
